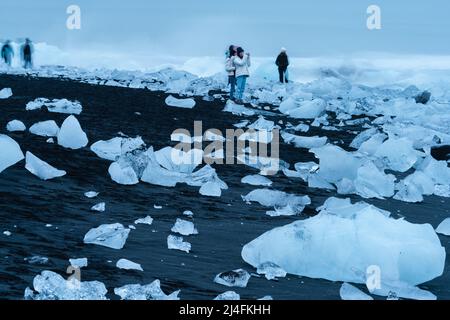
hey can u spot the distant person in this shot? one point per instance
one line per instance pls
(231, 70)
(7, 53)
(282, 62)
(27, 52)
(241, 62)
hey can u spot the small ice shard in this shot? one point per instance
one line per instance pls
(266, 298)
(41, 169)
(5, 93)
(10, 152)
(177, 243)
(180, 103)
(238, 109)
(271, 270)
(71, 135)
(50, 140)
(109, 150)
(150, 291)
(303, 141)
(15, 125)
(228, 295)
(184, 227)
(241, 124)
(51, 286)
(256, 180)
(188, 213)
(90, 194)
(108, 235)
(47, 128)
(235, 278)
(284, 203)
(128, 265)
(100, 207)
(444, 227)
(349, 292)
(56, 105)
(147, 220)
(79, 262)
(7, 233)
(211, 189)
(36, 260)
(157, 206)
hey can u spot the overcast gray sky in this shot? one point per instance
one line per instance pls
(206, 27)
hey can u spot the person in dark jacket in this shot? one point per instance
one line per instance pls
(282, 62)
(7, 53)
(27, 51)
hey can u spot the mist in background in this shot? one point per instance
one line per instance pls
(206, 27)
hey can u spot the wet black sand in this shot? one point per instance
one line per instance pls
(225, 224)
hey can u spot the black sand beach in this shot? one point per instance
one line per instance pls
(225, 224)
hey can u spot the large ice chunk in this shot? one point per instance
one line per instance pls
(150, 291)
(47, 128)
(305, 109)
(109, 150)
(10, 152)
(15, 125)
(235, 278)
(41, 169)
(398, 154)
(108, 235)
(71, 135)
(341, 247)
(283, 203)
(372, 183)
(444, 227)
(177, 243)
(180, 103)
(51, 286)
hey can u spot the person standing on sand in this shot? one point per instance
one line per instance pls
(231, 70)
(27, 51)
(282, 62)
(241, 63)
(7, 53)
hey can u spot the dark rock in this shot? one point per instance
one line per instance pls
(423, 98)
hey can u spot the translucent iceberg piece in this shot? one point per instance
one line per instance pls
(177, 243)
(41, 169)
(341, 248)
(228, 295)
(303, 141)
(90, 194)
(56, 105)
(235, 278)
(147, 220)
(284, 203)
(15, 126)
(238, 109)
(11, 152)
(184, 227)
(150, 291)
(271, 270)
(109, 150)
(444, 227)
(99, 207)
(180, 103)
(398, 154)
(128, 265)
(370, 182)
(108, 235)
(79, 262)
(51, 286)
(71, 135)
(349, 292)
(256, 180)
(5, 93)
(47, 128)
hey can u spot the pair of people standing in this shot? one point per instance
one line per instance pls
(7, 53)
(237, 64)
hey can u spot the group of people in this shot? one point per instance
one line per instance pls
(237, 64)
(26, 52)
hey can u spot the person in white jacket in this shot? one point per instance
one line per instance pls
(241, 63)
(231, 70)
